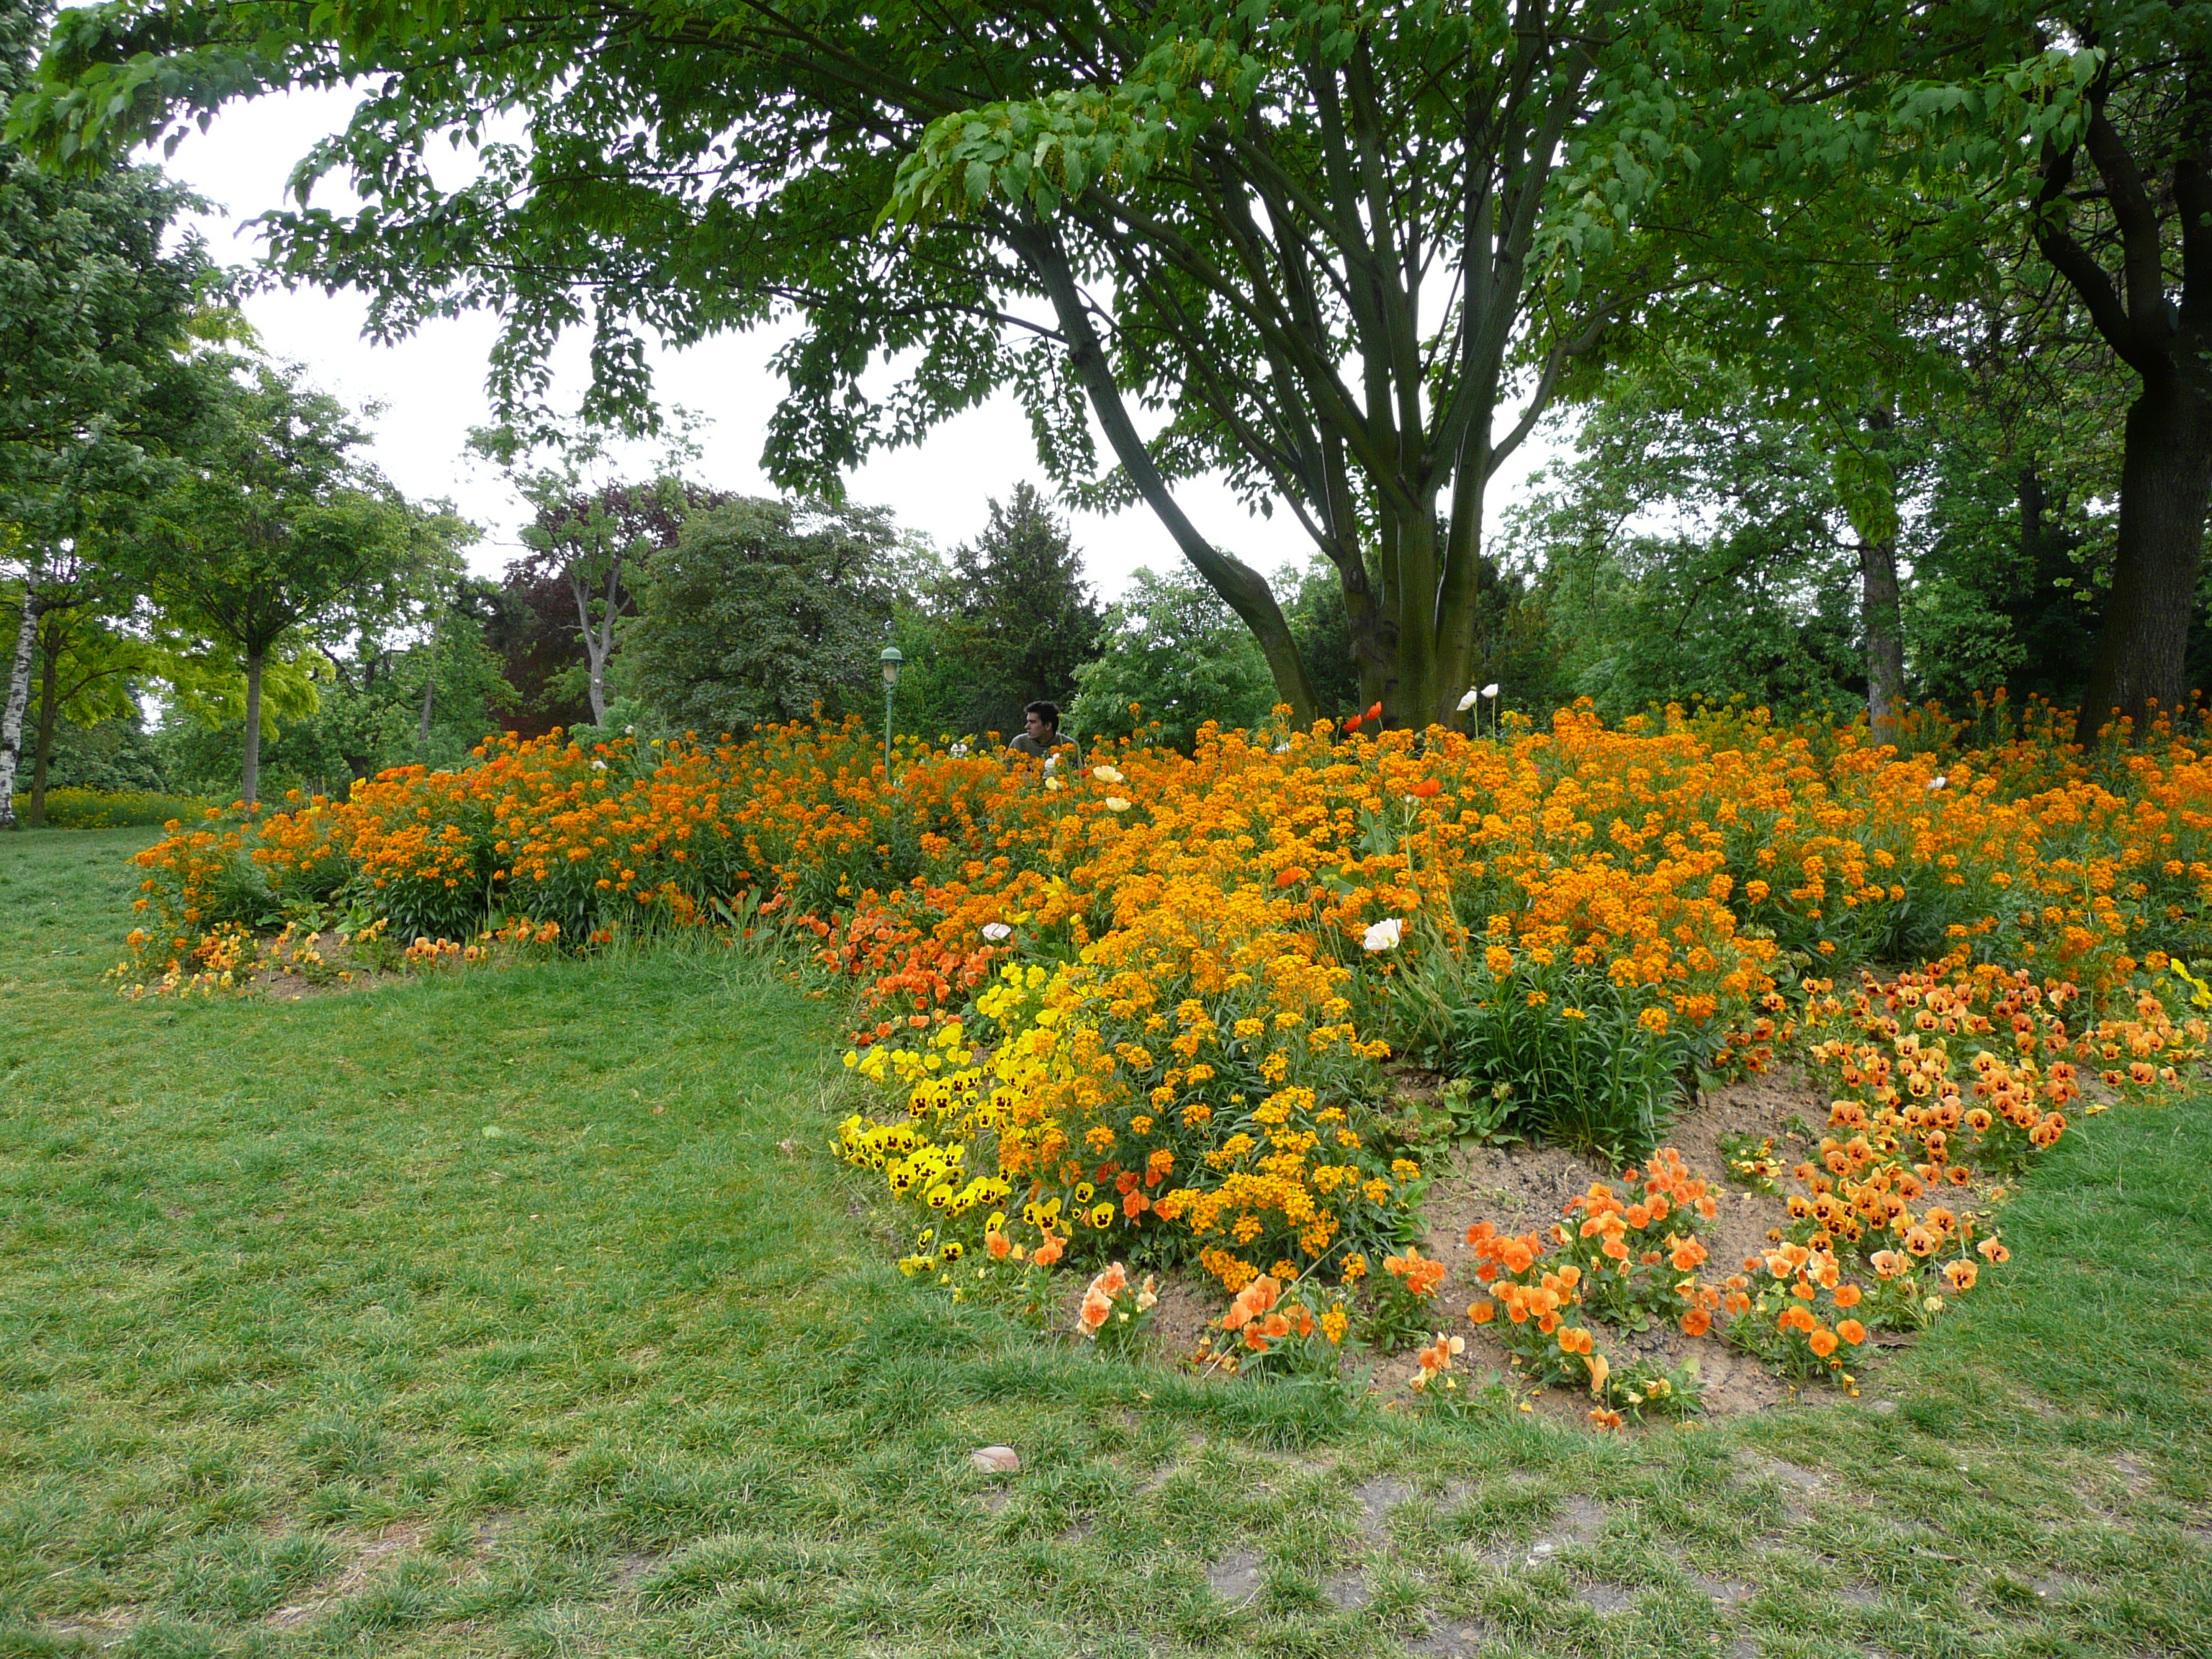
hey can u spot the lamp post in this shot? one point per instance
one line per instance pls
(892, 662)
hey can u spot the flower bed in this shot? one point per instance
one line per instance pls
(1141, 1012)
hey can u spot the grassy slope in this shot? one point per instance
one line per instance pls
(294, 1357)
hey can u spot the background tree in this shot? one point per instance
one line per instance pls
(763, 610)
(1336, 243)
(1005, 623)
(1684, 556)
(281, 527)
(1182, 656)
(374, 684)
(589, 543)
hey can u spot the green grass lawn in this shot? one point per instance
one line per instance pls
(525, 1312)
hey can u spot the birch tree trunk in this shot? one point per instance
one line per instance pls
(19, 695)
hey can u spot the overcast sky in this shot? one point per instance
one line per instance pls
(431, 390)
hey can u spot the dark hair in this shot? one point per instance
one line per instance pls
(1047, 712)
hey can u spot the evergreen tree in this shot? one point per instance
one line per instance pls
(1015, 618)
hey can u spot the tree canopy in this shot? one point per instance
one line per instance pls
(1331, 244)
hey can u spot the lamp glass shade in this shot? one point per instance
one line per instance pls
(892, 662)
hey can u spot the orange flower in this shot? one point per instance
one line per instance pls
(1097, 1309)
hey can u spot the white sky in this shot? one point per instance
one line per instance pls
(431, 388)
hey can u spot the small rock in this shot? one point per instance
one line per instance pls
(996, 1460)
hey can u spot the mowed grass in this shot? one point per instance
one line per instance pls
(295, 1358)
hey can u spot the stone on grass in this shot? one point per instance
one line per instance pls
(996, 1460)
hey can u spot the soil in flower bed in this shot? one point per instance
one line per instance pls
(1523, 1188)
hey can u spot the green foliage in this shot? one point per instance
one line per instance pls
(1684, 556)
(115, 756)
(762, 610)
(281, 533)
(1178, 652)
(97, 296)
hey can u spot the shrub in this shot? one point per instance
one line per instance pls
(119, 809)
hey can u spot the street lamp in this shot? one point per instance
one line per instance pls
(892, 662)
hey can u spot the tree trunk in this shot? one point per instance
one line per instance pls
(1882, 616)
(429, 690)
(250, 781)
(42, 749)
(594, 653)
(2140, 668)
(1243, 589)
(19, 693)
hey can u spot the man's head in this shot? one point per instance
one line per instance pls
(1043, 722)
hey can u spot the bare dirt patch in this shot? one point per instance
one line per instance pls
(1461, 1639)
(109, 1627)
(1235, 1577)
(1524, 1189)
(369, 1554)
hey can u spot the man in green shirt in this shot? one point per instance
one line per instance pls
(1042, 735)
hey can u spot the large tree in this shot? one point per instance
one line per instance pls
(97, 293)
(1335, 241)
(2124, 213)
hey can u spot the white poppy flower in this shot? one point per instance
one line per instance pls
(1467, 702)
(996, 931)
(1106, 774)
(1117, 804)
(1383, 935)
(1491, 690)
(1937, 781)
(959, 752)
